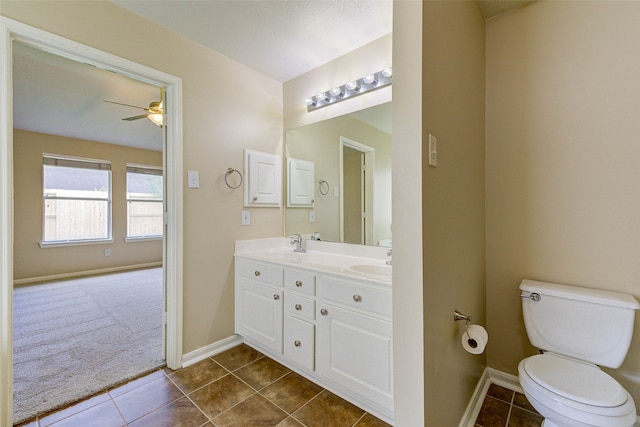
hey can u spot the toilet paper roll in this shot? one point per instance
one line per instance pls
(479, 335)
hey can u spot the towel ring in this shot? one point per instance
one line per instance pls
(322, 185)
(226, 178)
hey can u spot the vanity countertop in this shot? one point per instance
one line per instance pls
(355, 261)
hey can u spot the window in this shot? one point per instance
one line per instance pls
(145, 205)
(77, 199)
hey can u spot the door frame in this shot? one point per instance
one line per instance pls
(369, 187)
(11, 30)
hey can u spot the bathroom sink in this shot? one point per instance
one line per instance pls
(382, 270)
(283, 256)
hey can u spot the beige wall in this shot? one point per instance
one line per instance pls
(563, 182)
(320, 143)
(30, 260)
(221, 118)
(453, 203)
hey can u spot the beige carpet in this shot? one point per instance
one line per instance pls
(75, 338)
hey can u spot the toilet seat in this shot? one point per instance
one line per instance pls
(535, 384)
(575, 380)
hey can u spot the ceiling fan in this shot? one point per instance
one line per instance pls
(154, 112)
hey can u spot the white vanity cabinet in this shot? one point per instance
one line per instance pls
(354, 337)
(334, 329)
(259, 301)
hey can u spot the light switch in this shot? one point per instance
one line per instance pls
(193, 179)
(312, 216)
(433, 151)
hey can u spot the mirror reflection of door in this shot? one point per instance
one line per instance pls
(357, 171)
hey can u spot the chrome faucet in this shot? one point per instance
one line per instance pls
(297, 240)
(389, 252)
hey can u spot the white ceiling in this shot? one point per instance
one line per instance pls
(279, 38)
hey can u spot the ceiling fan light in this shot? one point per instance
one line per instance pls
(156, 118)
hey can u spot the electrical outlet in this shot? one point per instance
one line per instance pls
(107, 252)
(312, 216)
(246, 217)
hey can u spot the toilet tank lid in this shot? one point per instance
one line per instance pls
(597, 296)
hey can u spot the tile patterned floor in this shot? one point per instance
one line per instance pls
(239, 387)
(506, 408)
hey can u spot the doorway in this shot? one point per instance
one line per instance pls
(172, 244)
(69, 171)
(357, 171)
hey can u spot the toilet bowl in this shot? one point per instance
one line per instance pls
(577, 330)
(571, 393)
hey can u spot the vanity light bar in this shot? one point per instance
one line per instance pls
(351, 89)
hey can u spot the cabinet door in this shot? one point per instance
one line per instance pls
(263, 185)
(355, 350)
(299, 340)
(300, 179)
(259, 313)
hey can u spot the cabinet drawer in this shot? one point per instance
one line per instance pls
(300, 306)
(355, 295)
(300, 282)
(260, 272)
(299, 342)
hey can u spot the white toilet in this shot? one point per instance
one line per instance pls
(577, 330)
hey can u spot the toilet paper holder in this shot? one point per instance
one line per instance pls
(459, 316)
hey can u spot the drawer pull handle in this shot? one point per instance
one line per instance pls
(357, 298)
(298, 283)
(324, 312)
(298, 307)
(276, 297)
(297, 343)
(257, 273)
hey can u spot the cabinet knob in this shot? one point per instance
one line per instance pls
(298, 283)
(255, 198)
(257, 273)
(276, 296)
(324, 312)
(357, 298)
(298, 307)
(297, 343)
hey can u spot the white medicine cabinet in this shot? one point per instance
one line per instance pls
(300, 183)
(263, 174)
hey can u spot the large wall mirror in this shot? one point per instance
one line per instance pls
(339, 178)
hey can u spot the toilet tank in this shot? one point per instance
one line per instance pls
(587, 324)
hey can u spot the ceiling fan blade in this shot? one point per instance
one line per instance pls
(142, 116)
(127, 105)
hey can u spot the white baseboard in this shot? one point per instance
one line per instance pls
(78, 274)
(210, 350)
(489, 376)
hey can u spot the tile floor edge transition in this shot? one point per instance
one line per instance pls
(211, 350)
(488, 377)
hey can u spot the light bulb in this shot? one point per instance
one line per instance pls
(309, 101)
(352, 85)
(337, 92)
(322, 96)
(155, 118)
(387, 72)
(370, 80)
